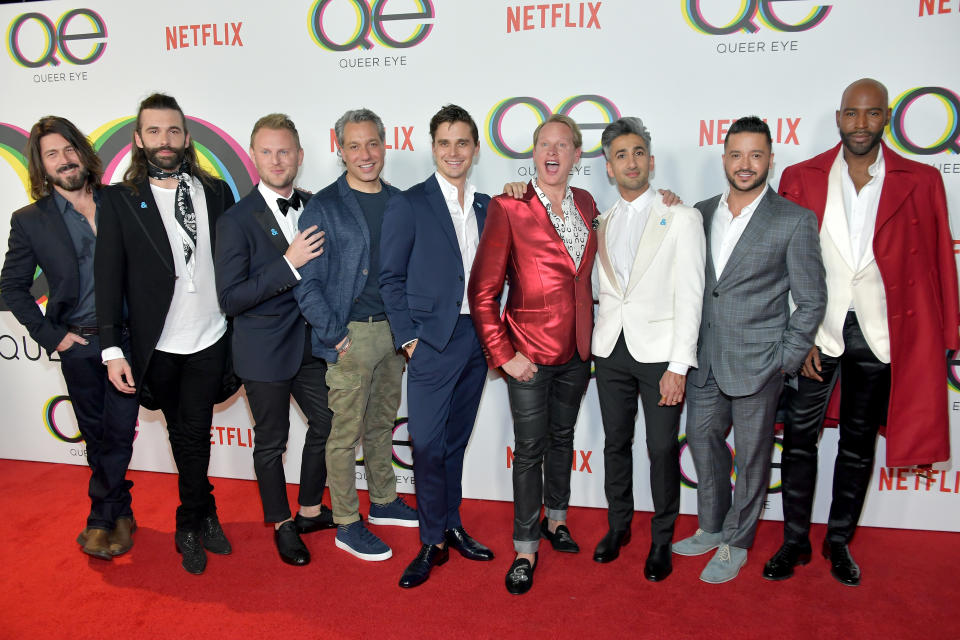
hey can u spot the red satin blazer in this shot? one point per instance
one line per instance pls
(549, 310)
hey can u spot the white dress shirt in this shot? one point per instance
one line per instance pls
(861, 208)
(725, 229)
(465, 224)
(624, 229)
(287, 223)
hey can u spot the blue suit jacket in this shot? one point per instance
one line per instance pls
(254, 285)
(422, 282)
(331, 282)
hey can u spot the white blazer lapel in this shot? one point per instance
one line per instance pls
(655, 230)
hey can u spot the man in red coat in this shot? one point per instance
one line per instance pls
(891, 316)
(544, 245)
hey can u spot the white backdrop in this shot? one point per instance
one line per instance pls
(688, 68)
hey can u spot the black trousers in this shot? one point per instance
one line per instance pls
(619, 379)
(544, 411)
(107, 420)
(270, 406)
(185, 387)
(865, 384)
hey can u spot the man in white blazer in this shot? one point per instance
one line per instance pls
(649, 279)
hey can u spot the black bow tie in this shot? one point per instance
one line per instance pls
(285, 204)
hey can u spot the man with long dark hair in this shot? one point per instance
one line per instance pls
(155, 256)
(58, 233)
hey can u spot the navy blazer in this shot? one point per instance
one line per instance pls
(254, 286)
(422, 282)
(39, 237)
(332, 281)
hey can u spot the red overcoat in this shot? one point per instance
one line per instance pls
(914, 252)
(549, 311)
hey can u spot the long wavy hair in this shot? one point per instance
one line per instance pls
(40, 184)
(137, 171)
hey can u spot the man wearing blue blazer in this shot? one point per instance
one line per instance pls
(340, 298)
(429, 240)
(258, 254)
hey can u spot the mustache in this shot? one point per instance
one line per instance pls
(68, 167)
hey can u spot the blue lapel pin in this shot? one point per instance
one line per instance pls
(274, 232)
(663, 222)
(143, 205)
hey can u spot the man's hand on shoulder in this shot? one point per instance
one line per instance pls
(515, 189)
(669, 197)
(306, 245)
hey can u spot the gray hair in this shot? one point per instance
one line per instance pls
(622, 127)
(358, 115)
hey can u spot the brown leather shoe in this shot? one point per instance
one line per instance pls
(98, 544)
(121, 538)
(82, 536)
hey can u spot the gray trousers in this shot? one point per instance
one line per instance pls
(710, 412)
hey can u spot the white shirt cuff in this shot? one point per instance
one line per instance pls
(290, 264)
(111, 353)
(409, 342)
(678, 368)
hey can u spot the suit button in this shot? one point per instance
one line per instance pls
(461, 278)
(364, 272)
(709, 325)
(716, 295)
(911, 282)
(913, 251)
(913, 221)
(577, 278)
(909, 313)
(458, 303)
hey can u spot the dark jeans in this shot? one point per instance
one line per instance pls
(619, 379)
(865, 385)
(270, 406)
(185, 387)
(108, 422)
(544, 413)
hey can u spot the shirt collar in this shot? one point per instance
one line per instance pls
(450, 191)
(63, 205)
(877, 168)
(270, 196)
(545, 201)
(640, 203)
(748, 210)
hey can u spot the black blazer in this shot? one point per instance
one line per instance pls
(134, 261)
(39, 237)
(255, 287)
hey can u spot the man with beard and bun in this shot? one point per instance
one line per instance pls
(58, 233)
(762, 250)
(430, 237)
(259, 251)
(155, 257)
(891, 315)
(648, 278)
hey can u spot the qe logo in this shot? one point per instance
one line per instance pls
(745, 19)
(953, 371)
(56, 39)
(50, 422)
(370, 20)
(541, 111)
(687, 479)
(949, 140)
(402, 450)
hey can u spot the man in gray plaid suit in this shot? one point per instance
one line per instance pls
(761, 251)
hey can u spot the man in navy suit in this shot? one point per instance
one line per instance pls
(58, 233)
(429, 240)
(258, 254)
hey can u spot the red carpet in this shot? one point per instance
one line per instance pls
(52, 590)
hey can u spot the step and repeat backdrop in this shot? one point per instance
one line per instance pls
(689, 68)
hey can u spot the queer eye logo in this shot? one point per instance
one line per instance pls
(688, 475)
(749, 13)
(57, 38)
(401, 449)
(500, 112)
(948, 141)
(370, 23)
(953, 371)
(50, 422)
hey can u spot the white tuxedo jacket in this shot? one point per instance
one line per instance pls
(659, 310)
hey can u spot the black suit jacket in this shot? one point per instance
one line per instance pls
(255, 287)
(134, 261)
(39, 237)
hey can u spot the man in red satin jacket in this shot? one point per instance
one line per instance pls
(543, 244)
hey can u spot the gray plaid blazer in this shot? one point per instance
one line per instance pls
(747, 332)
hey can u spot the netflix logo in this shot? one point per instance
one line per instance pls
(782, 130)
(558, 15)
(898, 479)
(231, 436)
(581, 460)
(399, 138)
(204, 35)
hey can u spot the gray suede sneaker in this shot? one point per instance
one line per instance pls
(697, 544)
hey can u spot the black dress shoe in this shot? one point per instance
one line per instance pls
(520, 576)
(418, 571)
(560, 539)
(659, 563)
(316, 523)
(467, 546)
(190, 544)
(789, 555)
(290, 546)
(842, 565)
(609, 547)
(214, 540)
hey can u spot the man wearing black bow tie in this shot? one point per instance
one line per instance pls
(259, 251)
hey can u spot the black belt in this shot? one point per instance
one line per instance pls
(380, 317)
(84, 331)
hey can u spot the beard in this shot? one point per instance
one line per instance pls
(167, 164)
(760, 180)
(69, 183)
(860, 148)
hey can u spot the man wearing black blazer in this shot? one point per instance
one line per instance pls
(258, 252)
(58, 233)
(155, 256)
